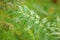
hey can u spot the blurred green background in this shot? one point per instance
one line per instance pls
(29, 20)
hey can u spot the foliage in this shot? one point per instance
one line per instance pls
(29, 20)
